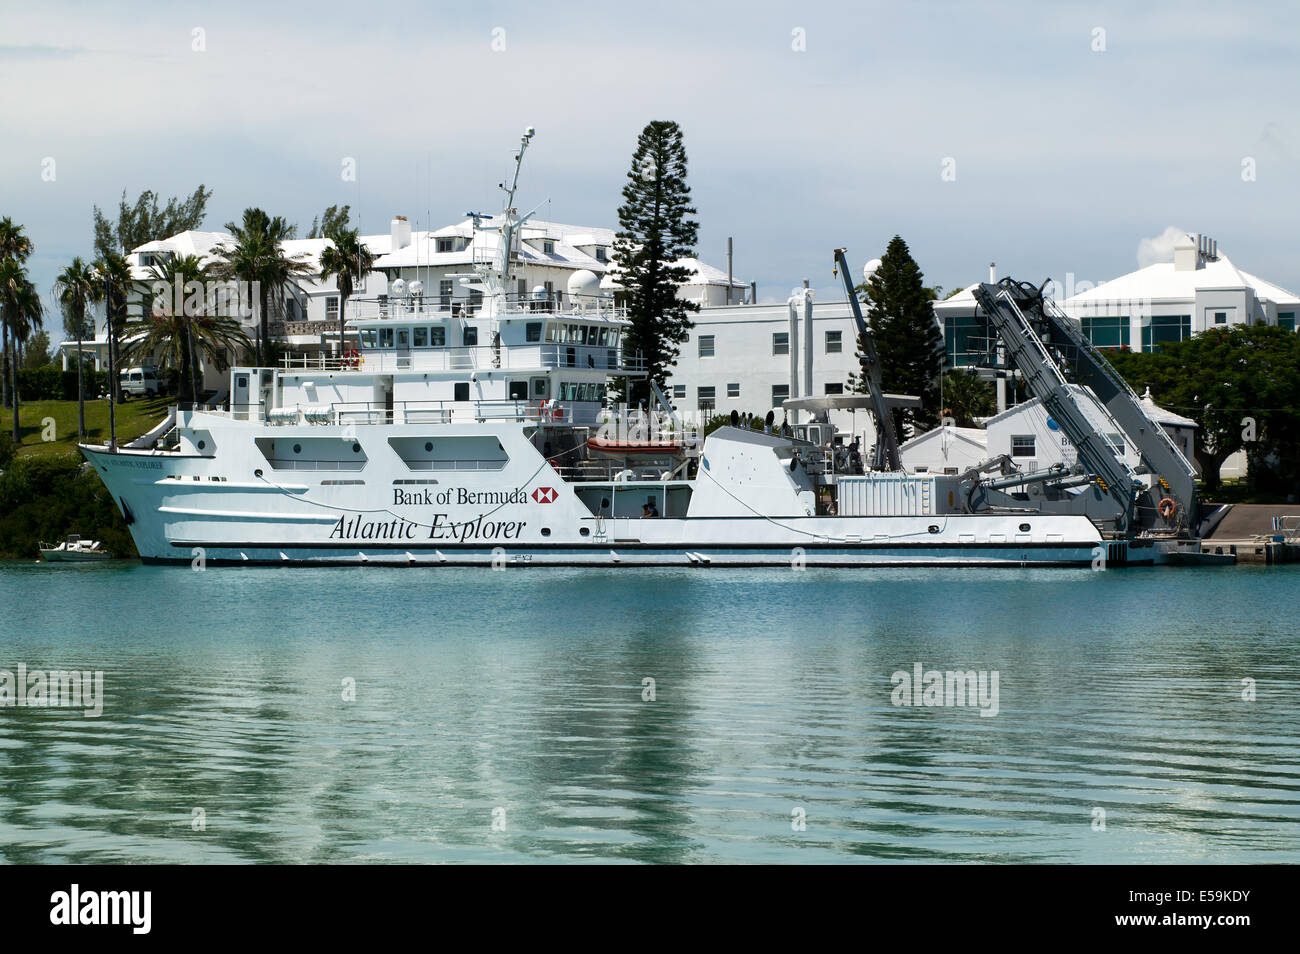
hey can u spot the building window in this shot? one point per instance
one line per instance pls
(779, 393)
(1286, 319)
(1107, 331)
(1220, 317)
(834, 342)
(836, 388)
(332, 308)
(471, 336)
(446, 245)
(708, 398)
(1022, 445)
(967, 340)
(733, 390)
(1165, 329)
(679, 390)
(600, 254)
(444, 293)
(781, 342)
(706, 346)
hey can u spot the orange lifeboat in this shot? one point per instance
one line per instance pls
(615, 448)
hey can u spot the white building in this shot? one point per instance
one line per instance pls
(553, 261)
(750, 358)
(1169, 301)
(945, 450)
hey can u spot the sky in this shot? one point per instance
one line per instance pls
(1050, 138)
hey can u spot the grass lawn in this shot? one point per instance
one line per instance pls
(134, 418)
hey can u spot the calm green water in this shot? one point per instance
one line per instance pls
(522, 691)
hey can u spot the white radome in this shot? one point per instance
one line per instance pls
(869, 269)
(398, 288)
(584, 283)
(417, 288)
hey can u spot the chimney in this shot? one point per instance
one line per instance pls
(993, 273)
(401, 232)
(1187, 254)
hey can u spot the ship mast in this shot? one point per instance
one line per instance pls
(510, 223)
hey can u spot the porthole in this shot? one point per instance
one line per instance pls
(1024, 528)
(297, 448)
(933, 528)
(546, 531)
(356, 448)
(585, 531)
(428, 446)
(202, 444)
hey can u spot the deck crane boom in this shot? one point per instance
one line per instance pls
(1042, 344)
(886, 453)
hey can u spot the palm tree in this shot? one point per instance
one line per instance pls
(115, 273)
(14, 246)
(77, 286)
(20, 311)
(256, 257)
(348, 260)
(166, 335)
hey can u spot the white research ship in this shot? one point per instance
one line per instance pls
(478, 436)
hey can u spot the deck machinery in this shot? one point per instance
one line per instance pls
(1041, 342)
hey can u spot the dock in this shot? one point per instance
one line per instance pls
(1257, 533)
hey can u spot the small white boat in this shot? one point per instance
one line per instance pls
(74, 550)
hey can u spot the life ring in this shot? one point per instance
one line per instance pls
(352, 359)
(1167, 507)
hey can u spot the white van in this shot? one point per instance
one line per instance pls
(139, 382)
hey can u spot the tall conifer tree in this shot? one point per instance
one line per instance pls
(655, 230)
(908, 340)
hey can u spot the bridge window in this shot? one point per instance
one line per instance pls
(420, 337)
(385, 337)
(471, 336)
(438, 337)
(462, 391)
(533, 331)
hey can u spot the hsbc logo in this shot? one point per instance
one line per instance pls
(545, 494)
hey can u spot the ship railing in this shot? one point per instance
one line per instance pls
(446, 412)
(316, 362)
(287, 463)
(439, 307)
(529, 357)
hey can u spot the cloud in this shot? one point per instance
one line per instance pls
(1160, 248)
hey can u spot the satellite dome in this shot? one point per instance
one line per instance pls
(417, 288)
(584, 283)
(869, 269)
(398, 288)
(539, 291)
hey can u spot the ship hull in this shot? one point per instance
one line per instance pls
(232, 507)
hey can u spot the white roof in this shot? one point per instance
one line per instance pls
(1160, 415)
(975, 436)
(1162, 282)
